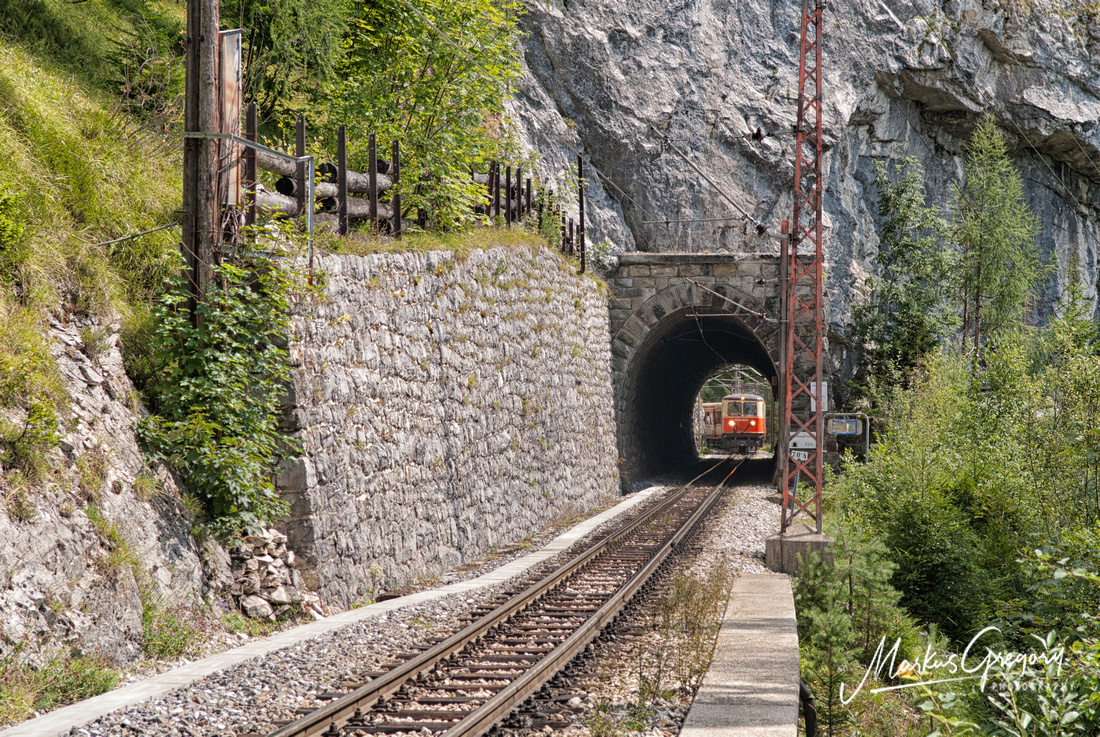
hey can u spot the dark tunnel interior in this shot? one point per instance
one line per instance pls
(666, 374)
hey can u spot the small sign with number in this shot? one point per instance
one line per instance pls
(800, 455)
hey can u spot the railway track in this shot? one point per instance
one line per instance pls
(470, 681)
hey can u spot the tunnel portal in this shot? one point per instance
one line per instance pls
(675, 319)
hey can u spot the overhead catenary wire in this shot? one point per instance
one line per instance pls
(1086, 153)
(703, 336)
(1049, 167)
(588, 162)
(744, 214)
(735, 303)
(739, 218)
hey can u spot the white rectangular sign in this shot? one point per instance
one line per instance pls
(824, 396)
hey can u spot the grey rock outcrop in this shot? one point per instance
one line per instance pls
(903, 78)
(66, 583)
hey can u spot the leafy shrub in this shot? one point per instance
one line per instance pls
(688, 616)
(23, 445)
(1058, 695)
(936, 555)
(216, 390)
(948, 489)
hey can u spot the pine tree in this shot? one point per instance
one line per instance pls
(907, 316)
(826, 638)
(996, 232)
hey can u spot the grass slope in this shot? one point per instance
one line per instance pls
(77, 168)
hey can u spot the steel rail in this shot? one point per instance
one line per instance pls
(342, 709)
(482, 719)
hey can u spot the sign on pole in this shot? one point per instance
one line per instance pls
(229, 94)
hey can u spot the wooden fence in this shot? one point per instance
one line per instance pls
(510, 199)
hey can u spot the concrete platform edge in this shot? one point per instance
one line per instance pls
(751, 687)
(61, 720)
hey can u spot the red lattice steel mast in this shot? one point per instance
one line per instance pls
(803, 422)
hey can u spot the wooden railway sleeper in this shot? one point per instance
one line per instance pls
(390, 684)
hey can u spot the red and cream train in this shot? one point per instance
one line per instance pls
(736, 423)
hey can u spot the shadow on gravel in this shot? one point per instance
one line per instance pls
(757, 470)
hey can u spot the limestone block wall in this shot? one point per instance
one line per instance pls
(445, 406)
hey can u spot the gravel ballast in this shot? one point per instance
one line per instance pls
(249, 696)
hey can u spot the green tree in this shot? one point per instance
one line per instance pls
(996, 232)
(402, 79)
(908, 314)
(290, 48)
(1070, 433)
(825, 636)
(948, 488)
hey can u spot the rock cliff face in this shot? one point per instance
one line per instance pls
(71, 547)
(903, 78)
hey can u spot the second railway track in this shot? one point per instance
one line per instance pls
(467, 683)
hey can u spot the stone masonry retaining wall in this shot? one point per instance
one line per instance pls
(445, 406)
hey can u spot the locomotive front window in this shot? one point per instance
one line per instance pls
(734, 409)
(750, 409)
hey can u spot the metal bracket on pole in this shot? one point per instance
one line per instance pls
(307, 160)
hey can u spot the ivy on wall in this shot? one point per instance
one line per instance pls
(216, 390)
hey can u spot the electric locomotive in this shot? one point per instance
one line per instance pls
(742, 422)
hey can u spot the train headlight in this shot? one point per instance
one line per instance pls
(752, 423)
(731, 423)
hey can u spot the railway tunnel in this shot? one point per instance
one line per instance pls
(668, 372)
(675, 320)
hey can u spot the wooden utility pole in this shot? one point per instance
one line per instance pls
(201, 203)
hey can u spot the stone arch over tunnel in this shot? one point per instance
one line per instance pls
(679, 329)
